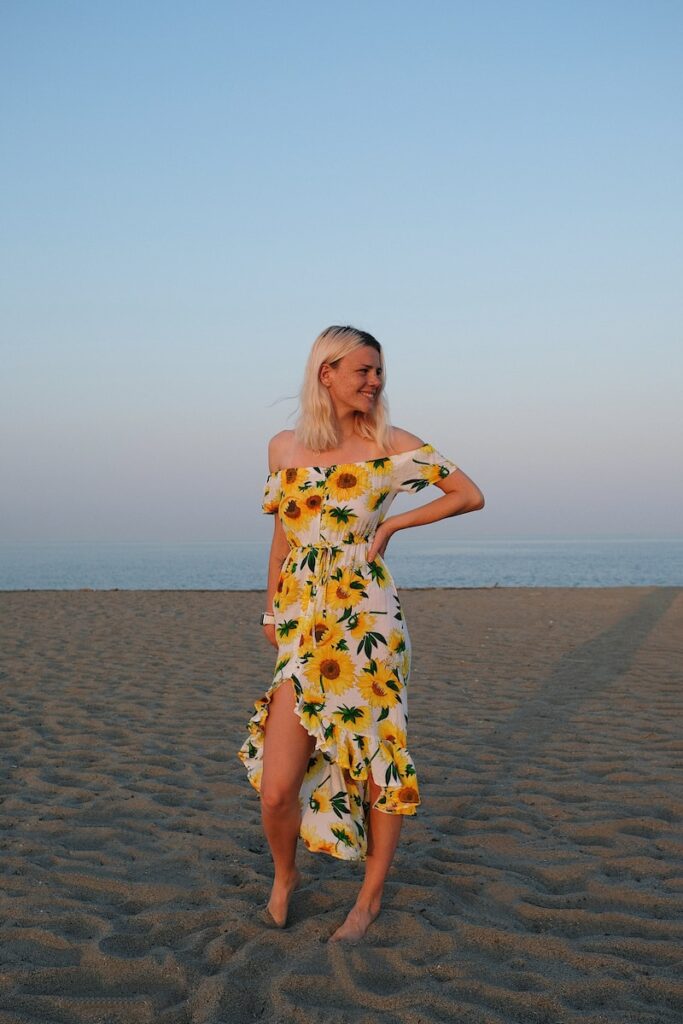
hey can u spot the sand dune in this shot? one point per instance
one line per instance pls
(541, 880)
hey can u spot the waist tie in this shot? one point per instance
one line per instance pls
(319, 558)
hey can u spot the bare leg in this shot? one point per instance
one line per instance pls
(286, 751)
(383, 833)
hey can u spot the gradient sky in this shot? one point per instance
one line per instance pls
(192, 191)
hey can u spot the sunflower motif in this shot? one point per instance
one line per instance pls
(287, 591)
(331, 669)
(355, 717)
(379, 687)
(312, 703)
(319, 800)
(376, 498)
(271, 501)
(399, 652)
(396, 642)
(433, 473)
(306, 596)
(314, 768)
(382, 467)
(404, 766)
(392, 734)
(343, 835)
(312, 503)
(292, 479)
(360, 623)
(408, 795)
(338, 519)
(325, 633)
(345, 589)
(293, 510)
(347, 481)
(315, 842)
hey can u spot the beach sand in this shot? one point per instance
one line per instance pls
(541, 880)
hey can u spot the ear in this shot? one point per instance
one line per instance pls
(324, 374)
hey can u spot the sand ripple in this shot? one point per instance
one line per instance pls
(542, 880)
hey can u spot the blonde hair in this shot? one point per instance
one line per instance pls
(316, 426)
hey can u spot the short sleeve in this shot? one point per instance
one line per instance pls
(419, 468)
(271, 494)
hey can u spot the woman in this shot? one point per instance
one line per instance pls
(327, 747)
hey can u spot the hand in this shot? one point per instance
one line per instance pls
(379, 542)
(269, 630)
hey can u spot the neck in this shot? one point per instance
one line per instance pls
(346, 424)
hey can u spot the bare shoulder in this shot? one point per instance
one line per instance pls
(278, 446)
(404, 441)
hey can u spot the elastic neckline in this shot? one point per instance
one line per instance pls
(359, 462)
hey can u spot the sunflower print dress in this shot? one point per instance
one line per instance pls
(343, 642)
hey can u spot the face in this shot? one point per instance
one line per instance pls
(355, 382)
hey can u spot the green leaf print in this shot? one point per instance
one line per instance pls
(417, 484)
(348, 714)
(370, 640)
(378, 500)
(377, 572)
(342, 514)
(384, 713)
(281, 664)
(391, 772)
(285, 628)
(312, 707)
(342, 836)
(309, 559)
(338, 802)
(329, 730)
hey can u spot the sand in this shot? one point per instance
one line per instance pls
(541, 880)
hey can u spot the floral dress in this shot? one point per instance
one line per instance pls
(343, 642)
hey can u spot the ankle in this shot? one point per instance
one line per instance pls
(286, 876)
(369, 902)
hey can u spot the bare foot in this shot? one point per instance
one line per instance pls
(357, 922)
(281, 893)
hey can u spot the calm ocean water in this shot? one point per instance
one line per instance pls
(235, 565)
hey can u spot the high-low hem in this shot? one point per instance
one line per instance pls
(401, 798)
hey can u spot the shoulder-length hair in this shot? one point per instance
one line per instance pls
(316, 426)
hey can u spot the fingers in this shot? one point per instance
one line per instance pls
(269, 630)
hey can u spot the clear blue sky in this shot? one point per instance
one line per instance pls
(192, 191)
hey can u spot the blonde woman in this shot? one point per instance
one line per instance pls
(327, 746)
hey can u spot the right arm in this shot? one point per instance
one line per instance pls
(279, 546)
(279, 549)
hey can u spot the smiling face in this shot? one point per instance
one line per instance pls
(355, 381)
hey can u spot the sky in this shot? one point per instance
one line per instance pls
(191, 192)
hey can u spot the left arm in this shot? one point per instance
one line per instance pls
(460, 495)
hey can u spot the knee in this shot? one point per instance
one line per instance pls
(277, 799)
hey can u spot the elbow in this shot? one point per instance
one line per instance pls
(477, 502)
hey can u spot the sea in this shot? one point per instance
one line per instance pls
(242, 565)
